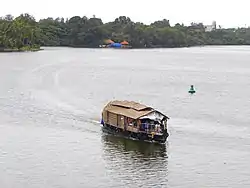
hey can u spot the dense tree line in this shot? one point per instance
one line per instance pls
(23, 31)
(78, 31)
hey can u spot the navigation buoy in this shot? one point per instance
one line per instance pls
(191, 90)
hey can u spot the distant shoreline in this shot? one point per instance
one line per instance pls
(155, 47)
(9, 50)
(23, 33)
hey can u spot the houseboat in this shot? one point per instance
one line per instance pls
(135, 121)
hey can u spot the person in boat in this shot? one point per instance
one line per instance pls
(158, 127)
(102, 122)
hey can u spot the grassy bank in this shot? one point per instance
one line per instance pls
(23, 49)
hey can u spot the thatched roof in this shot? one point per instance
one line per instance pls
(129, 109)
(124, 43)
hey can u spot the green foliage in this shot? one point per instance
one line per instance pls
(91, 32)
(14, 32)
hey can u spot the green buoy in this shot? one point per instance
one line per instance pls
(191, 90)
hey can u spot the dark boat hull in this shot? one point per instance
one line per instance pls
(137, 136)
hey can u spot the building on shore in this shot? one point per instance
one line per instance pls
(209, 28)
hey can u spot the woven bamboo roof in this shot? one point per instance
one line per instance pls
(129, 109)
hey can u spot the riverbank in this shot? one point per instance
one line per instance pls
(24, 49)
(128, 47)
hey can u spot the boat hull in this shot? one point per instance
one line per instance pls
(135, 136)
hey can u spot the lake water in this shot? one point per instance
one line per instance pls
(51, 103)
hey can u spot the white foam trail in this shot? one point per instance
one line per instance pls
(95, 121)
